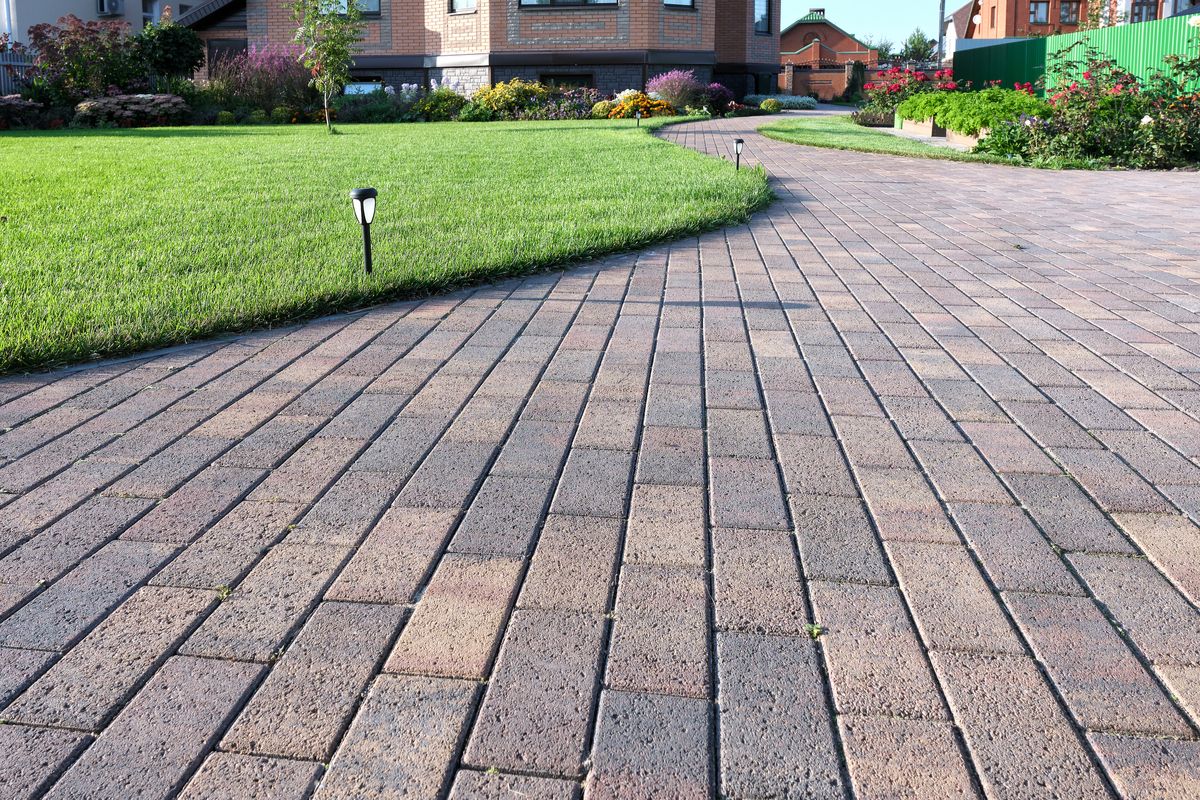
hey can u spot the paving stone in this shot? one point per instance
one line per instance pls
(470, 785)
(227, 551)
(776, 728)
(31, 758)
(454, 630)
(1090, 665)
(306, 701)
(836, 539)
(814, 465)
(903, 758)
(196, 505)
(152, 745)
(921, 418)
(52, 499)
(660, 637)
(573, 564)
(875, 661)
(402, 444)
(674, 406)
(952, 605)
(1150, 768)
(594, 483)
(1020, 742)
(257, 619)
(1160, 621)
(50, 553)
(96, 676)
(535, 715)
(232, 776)
(666, 526)
(756, 582)
(166, 471)
(671, 456)
(403, 741)
(745, 493)
(904, 507)
(959, 474)
(303, 476)
(1114, 486)
(396, 557)
(344, 514)
(448, 476)
(1172, 542)
(18, 668)
(650, 746)
(504, 517)
(1070, 519)
(535, 449)
(58, 616)
(1012, 550)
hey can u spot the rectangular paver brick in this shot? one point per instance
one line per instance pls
(573, 564)
(396, 557)
(504, 516)
(31, 758)
(454, 630)
(536, 713)
(306, 701)
(1012, 550)
(667, 525)
(756, 582)
(594, 483)
(152, 745)
(745, 493)
(1150, 769)
(233, 776)
(905, 758)
(403, 741)
(776, 728)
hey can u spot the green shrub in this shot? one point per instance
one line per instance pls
(170, 50)
(771, 105)
(602, 109)
(381, 105)
(440, 105)
(282, 115)
(969, 112)
(474, 112)
(226, 118)
(258, 117)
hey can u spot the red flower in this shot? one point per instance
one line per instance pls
(1087, 76)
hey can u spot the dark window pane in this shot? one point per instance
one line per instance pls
(762, 16)
(1039, 13)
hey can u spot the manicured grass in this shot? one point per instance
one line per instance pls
(114, 241)
(840, 133)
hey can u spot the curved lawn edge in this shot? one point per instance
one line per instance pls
(735, 205)
(838, 132)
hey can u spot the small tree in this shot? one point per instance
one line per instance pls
(170, 50)
(918, 47)
(883, 47)
(327, 32)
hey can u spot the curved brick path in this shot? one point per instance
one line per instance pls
(573, 529)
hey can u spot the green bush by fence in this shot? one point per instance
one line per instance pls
(1139, 48)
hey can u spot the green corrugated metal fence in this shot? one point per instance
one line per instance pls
(1138, 48)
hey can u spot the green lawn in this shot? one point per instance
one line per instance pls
(114, 241)
(840, 133)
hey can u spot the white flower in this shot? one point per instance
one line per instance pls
(1194, 21)
(1146, 120)
(390, 91)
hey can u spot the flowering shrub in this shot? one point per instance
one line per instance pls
(771, 105)
(679, 88)
(639, 101)
(261, 77)
(571, 104)
(506, 99)
(131, 111)
(892, 87)
(717, 98)
(602, 109)
(77, 59)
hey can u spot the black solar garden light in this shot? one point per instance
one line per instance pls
(364, 209)
(638, 115)
(737, 152)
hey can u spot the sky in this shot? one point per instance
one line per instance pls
(890, 19)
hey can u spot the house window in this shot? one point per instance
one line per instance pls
(1144, 11)
(462, 6)
(762, 16)
(368, 8)
(1068, 12)
(1039, 12)
(568, 2)
(223, 49)
(993, 17)
(567, 81)
(682, 3)
(150, 12)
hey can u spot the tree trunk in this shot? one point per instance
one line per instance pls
(328, 122)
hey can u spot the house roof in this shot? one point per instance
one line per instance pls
(818, 17)
(203, 11)
(962, 19)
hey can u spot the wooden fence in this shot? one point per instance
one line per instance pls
(11, 63)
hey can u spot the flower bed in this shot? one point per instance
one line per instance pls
(787, 101)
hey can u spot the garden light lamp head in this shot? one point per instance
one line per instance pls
(638, 115)
(364, 211)
(737, 152)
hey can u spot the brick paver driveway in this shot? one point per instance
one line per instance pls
(574, 533)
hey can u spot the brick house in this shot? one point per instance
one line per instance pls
(816, 56)
(609, 44)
